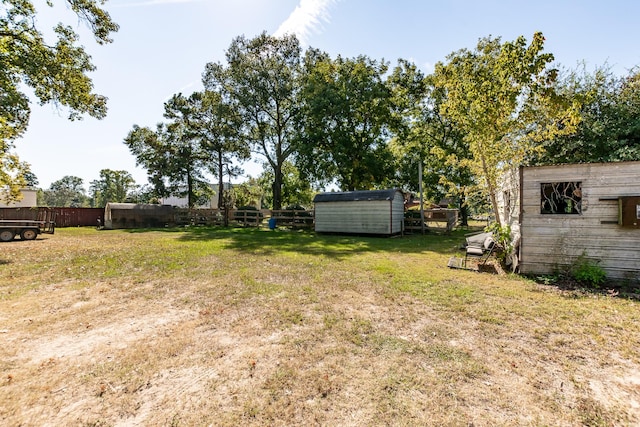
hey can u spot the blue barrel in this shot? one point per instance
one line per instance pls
(272, 223)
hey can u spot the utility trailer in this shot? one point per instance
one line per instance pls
(27, 229)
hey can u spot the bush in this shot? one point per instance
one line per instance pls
(588, 272)
(502, 237)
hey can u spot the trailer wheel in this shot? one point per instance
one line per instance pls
(28, 234)
(7, 235)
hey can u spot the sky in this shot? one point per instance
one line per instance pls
(162, 48)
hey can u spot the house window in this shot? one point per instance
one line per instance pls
(561, 198)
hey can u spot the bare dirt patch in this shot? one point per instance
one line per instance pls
(97, 340)
(385, 337)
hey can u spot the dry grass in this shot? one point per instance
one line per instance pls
(247, 327)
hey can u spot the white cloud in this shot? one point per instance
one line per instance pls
(306, 19)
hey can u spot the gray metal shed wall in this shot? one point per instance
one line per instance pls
(550, 242)
(384, 217)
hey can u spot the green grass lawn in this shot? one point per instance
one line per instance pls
(213, 326)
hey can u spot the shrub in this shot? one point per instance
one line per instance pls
(502, 237)
(588, 272)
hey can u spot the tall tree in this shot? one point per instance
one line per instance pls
(450, 160)
(218, 125)
(609, 130)
(409, 145)
(424, 136)
(189, 158)
(262, 79)
(297, 189)
(56, 72)
(151, 152)
(502, 97)
(173, 153)
(112, 186)
(30, 179)
(66, 192)
(344, 128)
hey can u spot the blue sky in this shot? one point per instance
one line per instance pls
(163, 46)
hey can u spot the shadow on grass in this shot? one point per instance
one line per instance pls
(258, 240)
(571, 288)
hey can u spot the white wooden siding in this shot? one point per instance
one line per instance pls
(29, 200)
(552, 242)
(397, 219)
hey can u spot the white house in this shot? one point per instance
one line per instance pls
(29, 199)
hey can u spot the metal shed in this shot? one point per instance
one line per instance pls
(132, 215)
(378, 212)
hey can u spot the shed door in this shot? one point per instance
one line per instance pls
(629, 212)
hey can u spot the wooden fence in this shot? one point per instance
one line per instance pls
(434, 219)
(185, 216)
(64, 217)
(210, 217)
(297, 219)
(246, 218)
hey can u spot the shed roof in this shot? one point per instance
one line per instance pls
(354, 196)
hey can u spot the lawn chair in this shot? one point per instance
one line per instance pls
(478, 245)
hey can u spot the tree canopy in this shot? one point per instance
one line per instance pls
(172, 154)
(503, 99)
(219, 128)
(345, 121)
(315, 120)
(66, 192)
(609, 130)
(56, 72)
(112, 186)
(262, 79)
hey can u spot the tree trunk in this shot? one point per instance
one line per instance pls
(222, 200)
(492, 193)
(277, 187)
(220, 183)
(464, 211)
(190, 197)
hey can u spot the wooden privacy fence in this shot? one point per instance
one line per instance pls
(78, 217)
(64, 217)
(239, 217)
